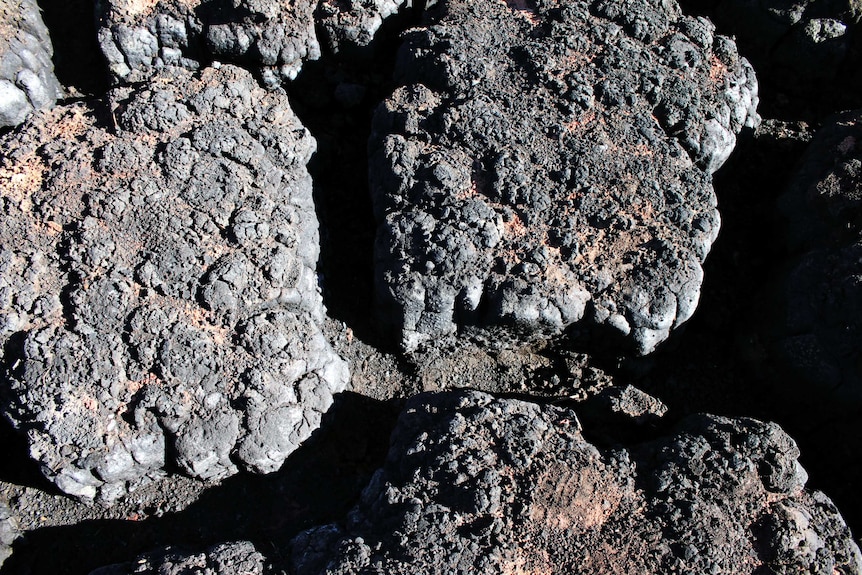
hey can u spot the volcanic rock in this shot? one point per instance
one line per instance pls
(808, 48)
(818, 334)
(544, 169)
(474, 484)
(27, 80)
(224, 559)
(158, 297)
(349, 25)
(8, 532)
(140, 37)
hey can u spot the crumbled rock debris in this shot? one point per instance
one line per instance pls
(140, 37)
(545, 169)
(474, 484)
(239, 558)
(817, 336)
(27, 80)
(160, 306)
(350, 25)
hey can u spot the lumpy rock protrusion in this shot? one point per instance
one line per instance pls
(546, 167)
(159, 304)
(475, 484)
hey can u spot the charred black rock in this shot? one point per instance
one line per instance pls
(348, 26)
(27, 80)
(808, 49)
(544, 168)
(8, 532)
(818, 337)
(139, 37)
(225, 559)
(475, 484)
(158, 297)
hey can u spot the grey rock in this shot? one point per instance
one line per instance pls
(804, 49)
(158, 295)
(544, 169)
(224, 559)
(9, 532)
(349, 26)
(27, 80)
(138, 38)
(474, 484)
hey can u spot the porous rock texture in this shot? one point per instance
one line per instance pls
(158, 297)
(27, 80)
(348, 26)
(817, 336)
(547, 167)
(239, 558)
(139, 37)
(474, 484)
(805, 48)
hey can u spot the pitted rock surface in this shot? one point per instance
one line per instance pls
(547, 167)
(806, 48)
(819, 329)
(159, 302)
(139, 37)
(27, 80)
(474, 484)
(239, 558)
(350, 25)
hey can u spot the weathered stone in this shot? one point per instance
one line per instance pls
(544, 169)
(159, 298)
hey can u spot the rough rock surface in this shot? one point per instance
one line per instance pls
(239, 558)
(158, 297)
(807, 48)
(545, 168)
(474, 484)
(818, 340)
(8, 532)
(139, 37)
(27, 80)
(349, 25)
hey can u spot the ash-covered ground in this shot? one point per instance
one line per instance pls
(774, 335)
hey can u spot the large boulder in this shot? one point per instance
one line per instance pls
(474, 484)
(816, 336)
(545, 169)
(140, 37)
(27, 80)
(159, 304)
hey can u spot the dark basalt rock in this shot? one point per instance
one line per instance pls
(27, 80)
(475, 484)
(8, 532)
(139, 37)
(226, 559)
(349, 26)
(159, 304)
(544, 169)
(818, 335)
(809, 49)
